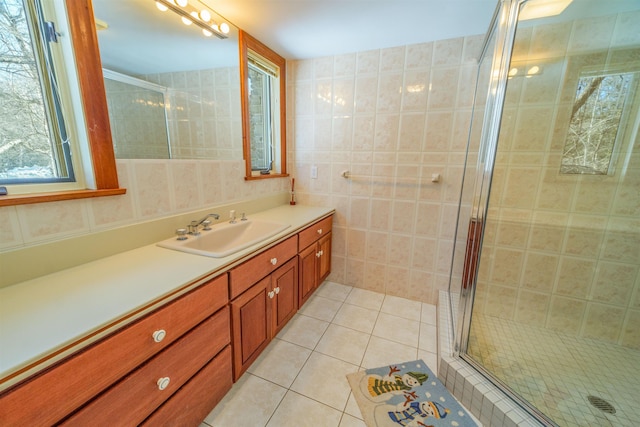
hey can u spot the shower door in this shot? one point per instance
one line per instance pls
(550, 214)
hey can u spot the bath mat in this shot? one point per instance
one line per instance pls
(406, 394)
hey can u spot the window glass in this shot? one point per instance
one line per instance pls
(34, 146)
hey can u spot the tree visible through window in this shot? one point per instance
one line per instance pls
(595, 121)
(33, 142)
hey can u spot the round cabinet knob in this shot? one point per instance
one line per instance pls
(319, 230)
(277, 289)
(271, 294)
(274, 261)
(159, 335)
(318, 254)
(163, 383)
(321, 253)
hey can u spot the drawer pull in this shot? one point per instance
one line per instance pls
(159, 335)
(163, 383)
(274, 261)
(319, 230)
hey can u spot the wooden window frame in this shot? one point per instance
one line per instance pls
(94, 103)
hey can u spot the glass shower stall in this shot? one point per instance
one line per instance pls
(545, 280)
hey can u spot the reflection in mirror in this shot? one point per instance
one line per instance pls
(263, 82)
(201, 83)
(138, 117)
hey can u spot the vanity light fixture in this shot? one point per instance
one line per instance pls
(528, 72)
(190, 15)
(534, 9)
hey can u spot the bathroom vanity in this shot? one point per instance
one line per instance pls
(153, 336)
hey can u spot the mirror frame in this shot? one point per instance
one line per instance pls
(247, 42)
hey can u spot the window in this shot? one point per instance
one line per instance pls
(262, 87)
(597, 117)
(261, 107)
(53, 120)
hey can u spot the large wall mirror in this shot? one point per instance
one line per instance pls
(263, 91)
(172, 91)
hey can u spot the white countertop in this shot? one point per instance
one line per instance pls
(57, 311)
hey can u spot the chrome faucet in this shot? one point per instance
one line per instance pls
(194, 226)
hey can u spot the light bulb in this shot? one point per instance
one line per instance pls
(186, 21)
(224, 27)
(207, 33)
(205, 16)
(182, 3)
(533, 70)
(161, 7)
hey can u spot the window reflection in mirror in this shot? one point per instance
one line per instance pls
(262, 85)
(200, 75)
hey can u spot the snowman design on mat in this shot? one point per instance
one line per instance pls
(383, 388)
(414, 413)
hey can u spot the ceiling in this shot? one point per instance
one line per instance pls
(299, 29)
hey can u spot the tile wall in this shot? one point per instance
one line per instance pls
(137, 118)
(563, 251)
(155, 189)
(392, 117)
(204, 116)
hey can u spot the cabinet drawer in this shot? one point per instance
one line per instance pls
(66, 386)
(193, 402)
(314, 232)
(246, 274)
(131, 400)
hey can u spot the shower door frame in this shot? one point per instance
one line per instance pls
(503, 27)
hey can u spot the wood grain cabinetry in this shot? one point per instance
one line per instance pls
(263, 309)
(314, 257)
(111, 365)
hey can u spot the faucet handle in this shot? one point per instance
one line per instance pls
(244, 217)
(181, 233)
(207, 225)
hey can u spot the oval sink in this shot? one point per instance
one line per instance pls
(225, 239)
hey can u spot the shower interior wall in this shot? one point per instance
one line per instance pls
(563, 251)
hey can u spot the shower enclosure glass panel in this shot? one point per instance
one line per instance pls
(551, 311)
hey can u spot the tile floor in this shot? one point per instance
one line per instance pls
(300, 378)
(557, 372)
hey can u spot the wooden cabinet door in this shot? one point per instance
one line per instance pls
(324, 261)
(308, 273)
(284, 282)
(251, 325)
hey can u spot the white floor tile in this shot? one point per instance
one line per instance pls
(321, 308)
(381, 352)
(397, 329)
(428, 338)
(344, 344)
(431, 359)
(352, 407)
(300, 411)
(280, 362)
(324, 378)
(303, 330)
(250, 392)
(402, 307)
(349, 421)
(429, 314)
(358, 318)
(334, 291)
(365, 298)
